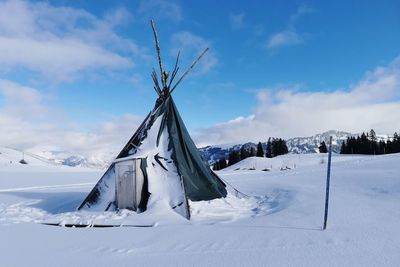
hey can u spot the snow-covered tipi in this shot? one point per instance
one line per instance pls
(160, 164)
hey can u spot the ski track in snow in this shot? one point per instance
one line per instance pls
(63, 186)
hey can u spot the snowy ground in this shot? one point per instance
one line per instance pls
(279, 226)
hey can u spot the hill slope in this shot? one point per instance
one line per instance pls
(10, 156)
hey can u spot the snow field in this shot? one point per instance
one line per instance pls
(279, 225)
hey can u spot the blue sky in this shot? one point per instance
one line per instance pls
(89, 64)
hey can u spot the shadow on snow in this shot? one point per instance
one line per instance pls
(53, 202)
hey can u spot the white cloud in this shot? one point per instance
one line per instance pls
(22, 101)
(117, 17)
(58, 59)
(372, 103)
(62, 42)
(289, 36)
(236, 21)
(301, 11)
(27, 121)
(284, 38)
(160, 10)
(191, 46)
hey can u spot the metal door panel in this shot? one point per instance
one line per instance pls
(126, 185)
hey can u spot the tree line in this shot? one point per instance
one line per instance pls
(368, 144)
(274, 147)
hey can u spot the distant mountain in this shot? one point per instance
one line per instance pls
(296, 145)
(12, 156)
(75, 160)
(302, 145)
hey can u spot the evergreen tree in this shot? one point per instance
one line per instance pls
(222, 164)
(279, 147)
(285, 149)
(396, 143)
(234, 157)
(252, 152)
(364, 144)
(268, 152)
(381, 148)
(260, 151)
(219, 165)
(353, 148)
(389, 147)
(230, 159)
(216, 166)
(368, 144)
(275, 147)
(243, 153)
(322, 148)
(343, 148)
(372, 135)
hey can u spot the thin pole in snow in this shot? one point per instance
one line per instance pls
(328, 178)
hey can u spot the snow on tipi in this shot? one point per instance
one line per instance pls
(160, 166)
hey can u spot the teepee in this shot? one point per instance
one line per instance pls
(160, 165)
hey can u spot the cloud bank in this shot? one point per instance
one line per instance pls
(28, 122)
(62, 42)
(374, 102)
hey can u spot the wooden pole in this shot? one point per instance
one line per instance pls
(187, 207)
(187, 71)
(163, 81)
(328, 178)
(175, 71)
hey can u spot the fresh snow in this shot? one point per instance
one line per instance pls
(279, 224)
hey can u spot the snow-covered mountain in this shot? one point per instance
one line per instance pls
(75, 160)
(296, 145)
(12, 156)
(301, 145)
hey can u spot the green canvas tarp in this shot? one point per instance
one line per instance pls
(200, 182)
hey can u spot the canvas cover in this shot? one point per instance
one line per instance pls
(183, 162)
